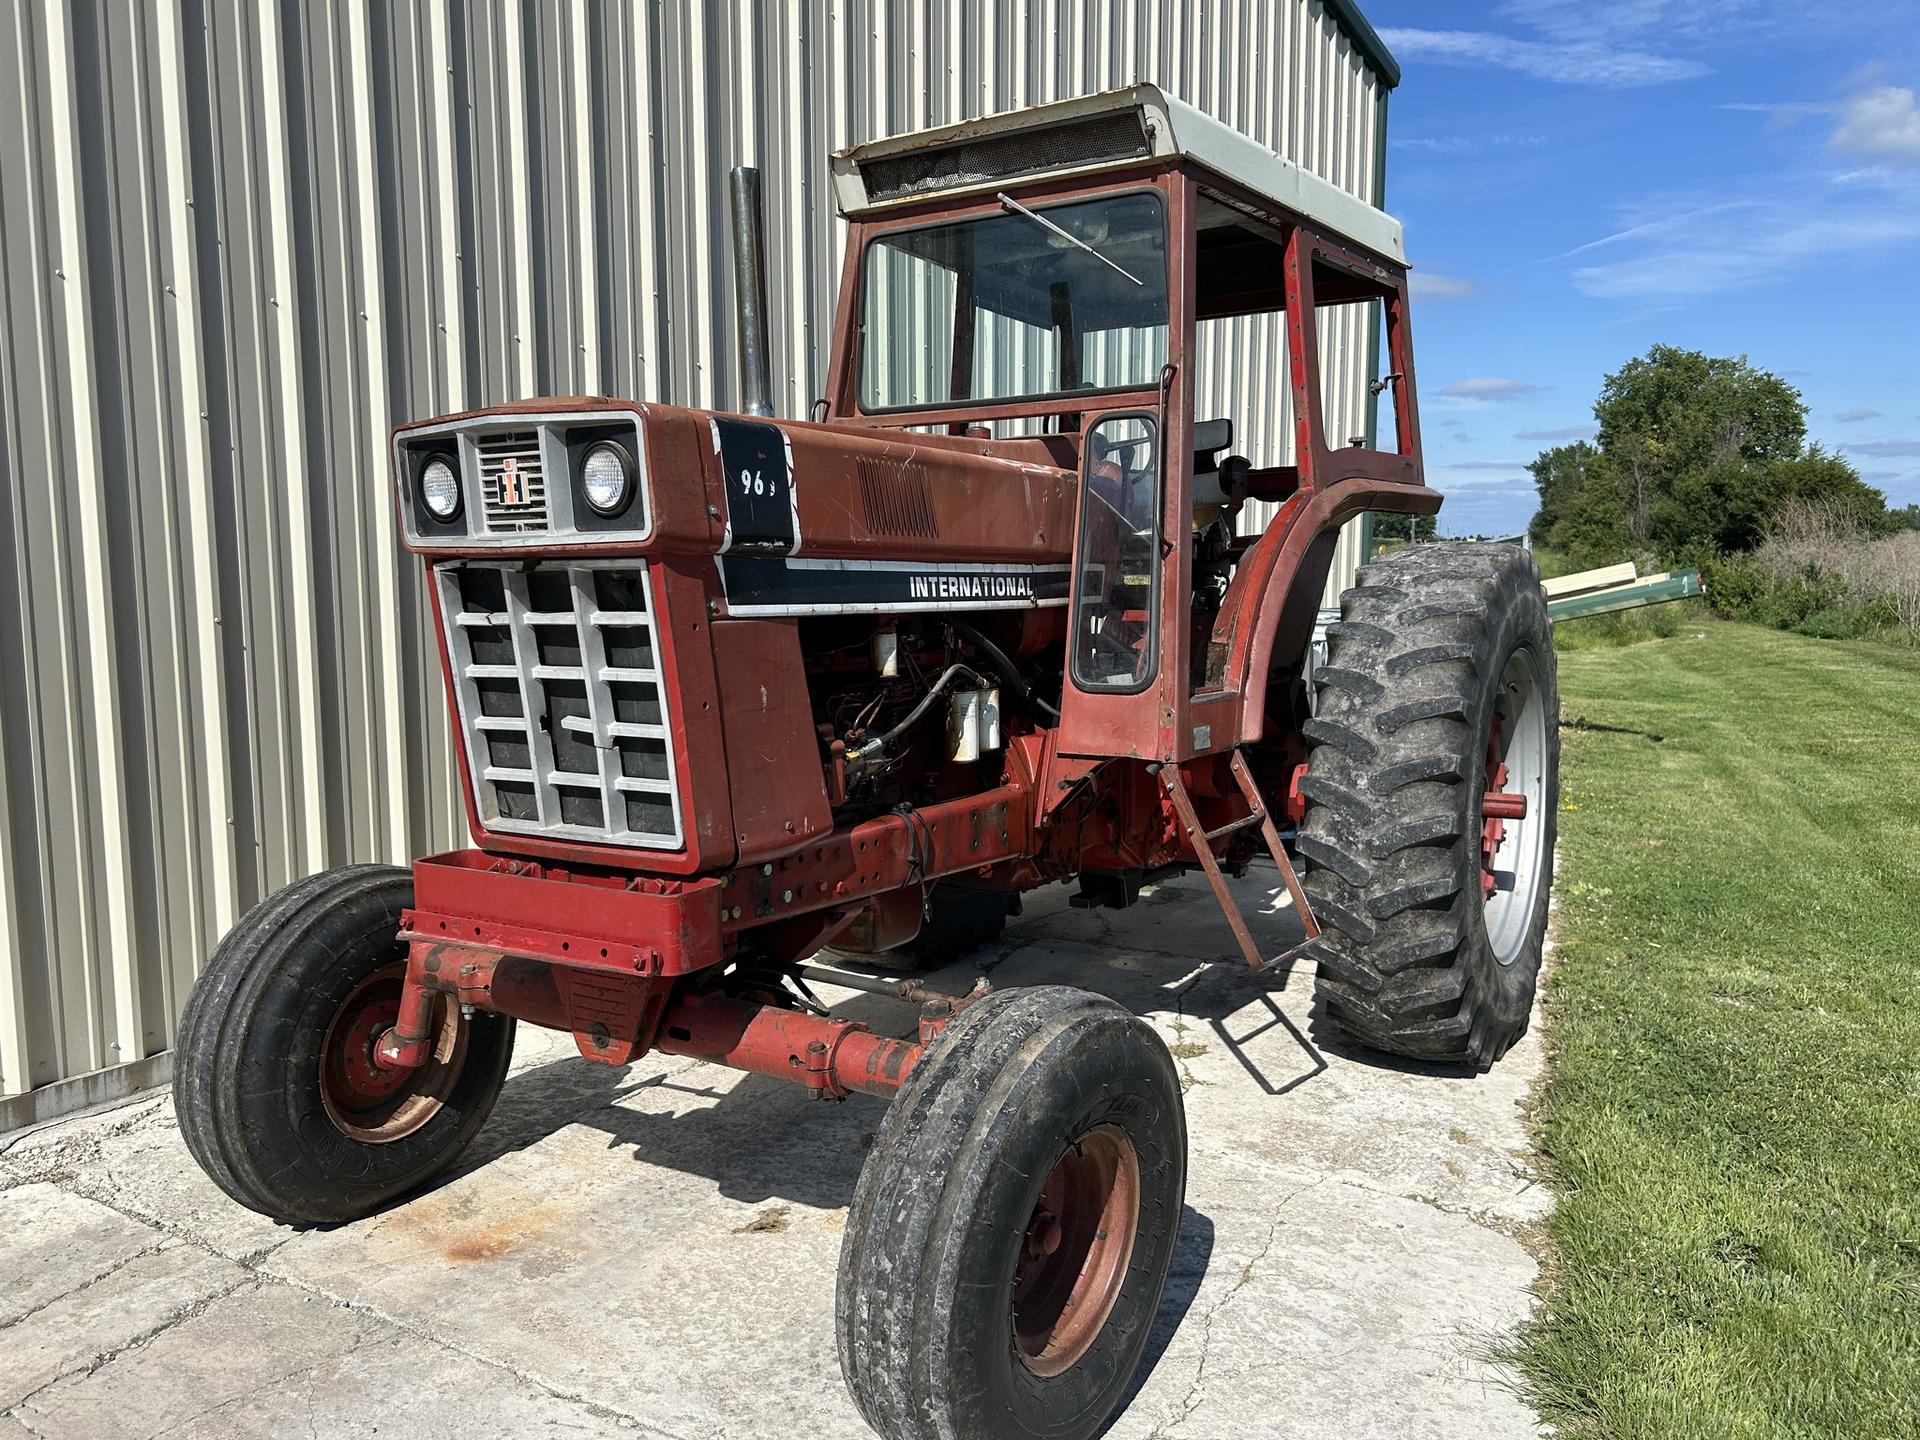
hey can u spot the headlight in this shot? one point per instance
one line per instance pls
(607, 478)
(440, 488)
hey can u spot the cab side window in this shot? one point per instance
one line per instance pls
(1119, 556)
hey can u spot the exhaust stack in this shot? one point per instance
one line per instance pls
(750, 289)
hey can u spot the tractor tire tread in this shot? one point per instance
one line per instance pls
(913, 1215)
(1390, 840)
(234, 1033)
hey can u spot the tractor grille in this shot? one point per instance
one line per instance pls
(557, 669)
(513, 481)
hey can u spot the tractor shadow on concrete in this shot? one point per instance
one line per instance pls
(758, 1139)
(1170, 958)
(1173, 959)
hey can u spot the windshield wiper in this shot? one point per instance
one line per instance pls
(1009, 203)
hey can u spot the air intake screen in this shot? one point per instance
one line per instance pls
(1118, 136)
(895, 498)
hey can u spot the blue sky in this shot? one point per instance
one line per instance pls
(1581, 179)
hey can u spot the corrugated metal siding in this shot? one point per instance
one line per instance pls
(239, 240)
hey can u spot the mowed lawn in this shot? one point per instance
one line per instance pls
(1733, 1105)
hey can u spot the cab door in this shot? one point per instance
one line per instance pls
(1111, 703)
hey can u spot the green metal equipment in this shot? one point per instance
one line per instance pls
(1647, 590)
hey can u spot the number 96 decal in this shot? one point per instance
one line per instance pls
(761, 512)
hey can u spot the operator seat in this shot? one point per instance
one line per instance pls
(1210, 437)
(1213, 476)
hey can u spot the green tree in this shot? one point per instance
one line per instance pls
(1695, 453)
(1688, 410)
(1406, 528)
(1562, 475)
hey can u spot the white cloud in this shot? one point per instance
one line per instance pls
(1576, 62)
(1463, 144)
(1670, 246)
(1854, 417)
(1884, 449)
(1576, 21)
(1714, 23)
(1487, 388)
(1883, 124)
(1781, 112)
(1425, 285)
(1449, 481)
(1565, 432)
(1661, 218)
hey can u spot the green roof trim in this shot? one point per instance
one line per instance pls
(1366, 39)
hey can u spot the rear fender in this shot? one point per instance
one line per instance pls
(1266, 621)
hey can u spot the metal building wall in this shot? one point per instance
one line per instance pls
(238, 240)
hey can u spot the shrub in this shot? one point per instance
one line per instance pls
(1821, 571)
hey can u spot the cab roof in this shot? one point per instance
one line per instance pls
(1092, 133)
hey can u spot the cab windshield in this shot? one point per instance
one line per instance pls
(1027, 304)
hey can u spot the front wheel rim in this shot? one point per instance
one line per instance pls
(1513, 851)
(1076, 1250)
(364, 1099)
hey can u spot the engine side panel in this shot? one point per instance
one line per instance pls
(773, 765)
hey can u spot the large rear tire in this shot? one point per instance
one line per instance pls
(1013, 1227)
(1439, 690)
(278, 1096)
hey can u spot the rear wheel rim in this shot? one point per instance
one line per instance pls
(364, 1099)
(1076, 1250)
(1512, 853)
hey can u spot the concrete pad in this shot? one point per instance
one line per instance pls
(235, 1346)
(138, 1298)
(133, 1160)
(699, 1218)
(268, 1360)
(1356, 1313)
(53, 1243)
(652, 1249)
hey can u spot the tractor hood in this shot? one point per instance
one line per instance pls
(801, 517)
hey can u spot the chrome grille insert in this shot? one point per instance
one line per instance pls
(513, 481)
(562, 706)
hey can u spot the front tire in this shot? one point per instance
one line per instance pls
(1011, 1234)
(278, 1097)
(1439, 692)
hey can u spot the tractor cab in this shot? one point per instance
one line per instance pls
(1097, 276)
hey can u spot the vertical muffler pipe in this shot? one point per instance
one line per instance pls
(750, 288)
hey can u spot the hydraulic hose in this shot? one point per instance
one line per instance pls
(998, 659)
(875, 748)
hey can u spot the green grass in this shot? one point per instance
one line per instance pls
(1629, 627)
(1732, 1111)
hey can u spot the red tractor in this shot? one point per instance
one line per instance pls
(730, 690)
